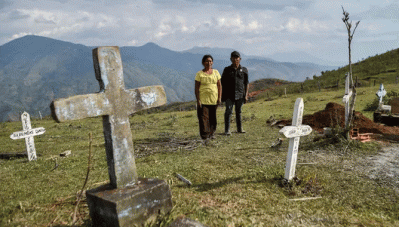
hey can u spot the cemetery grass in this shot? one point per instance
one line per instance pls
(236, 180)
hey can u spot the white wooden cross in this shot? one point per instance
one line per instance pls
(294, 133)
(381, 93)
(28, 133)
(346, 98)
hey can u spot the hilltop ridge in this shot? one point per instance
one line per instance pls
(35, 70)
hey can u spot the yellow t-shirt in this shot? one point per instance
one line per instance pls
(208, 90)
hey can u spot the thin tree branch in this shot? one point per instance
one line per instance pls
(74, 219)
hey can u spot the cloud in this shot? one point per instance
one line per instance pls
(4, 4)
(244, 4)
(253, 26)
(62, 1)
(305, 26)
(389, 12)
(258, 39)
(56, 24)
(17, 15)
(35, 15)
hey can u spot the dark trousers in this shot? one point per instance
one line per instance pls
(229, 110)
(207, 120)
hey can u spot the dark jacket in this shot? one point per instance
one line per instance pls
(234, 83)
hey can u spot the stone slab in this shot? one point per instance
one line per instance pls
(66, 153)
(395, 106)
(130, 206)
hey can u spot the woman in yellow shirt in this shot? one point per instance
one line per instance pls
(208, 92)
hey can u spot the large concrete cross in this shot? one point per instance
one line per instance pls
(348, 95)
(115, 104)
(28, 133)
(294, 133)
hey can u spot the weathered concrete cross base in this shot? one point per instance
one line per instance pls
(130, 206)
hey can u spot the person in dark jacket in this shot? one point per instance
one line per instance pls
(235, 91)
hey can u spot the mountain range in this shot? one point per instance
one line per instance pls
(35, 70)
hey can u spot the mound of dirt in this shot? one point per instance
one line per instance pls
(334, 114)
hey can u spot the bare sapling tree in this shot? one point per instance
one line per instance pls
(348, 24)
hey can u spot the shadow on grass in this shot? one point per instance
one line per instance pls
(165, 144)
(86, 223)
(244, 180)
(209, 186)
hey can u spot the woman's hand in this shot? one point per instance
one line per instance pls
(199, 104)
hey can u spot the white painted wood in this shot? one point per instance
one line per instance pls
(294, 132)
(346, 99)
(381, 93)
(28, 133)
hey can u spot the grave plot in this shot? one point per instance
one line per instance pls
(334, 115)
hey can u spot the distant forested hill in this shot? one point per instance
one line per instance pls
(35, 70)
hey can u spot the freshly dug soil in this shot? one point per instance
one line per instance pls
(334, 114)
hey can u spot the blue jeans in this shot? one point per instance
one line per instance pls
(229, 110)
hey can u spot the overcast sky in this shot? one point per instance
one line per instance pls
(254, 27)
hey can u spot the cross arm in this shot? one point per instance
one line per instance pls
(346, 97)
(28, 133)
(79, 107)
(381, 93)
(295, 131)
(145, 97)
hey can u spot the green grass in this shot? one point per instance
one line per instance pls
(369, 72)
(237, 180)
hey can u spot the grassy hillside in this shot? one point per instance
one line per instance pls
(370, 72)
(378, 69)
(236, 180)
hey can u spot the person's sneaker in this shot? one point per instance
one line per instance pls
(228, 133)
(242, 131)
(212, 137)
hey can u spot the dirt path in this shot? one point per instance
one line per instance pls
(384, 167)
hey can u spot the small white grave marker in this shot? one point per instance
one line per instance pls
(28, 133)
(294, 132)
(381, 93)
(348, 95)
